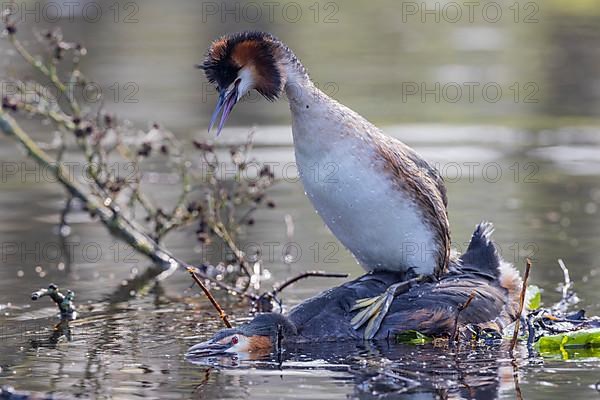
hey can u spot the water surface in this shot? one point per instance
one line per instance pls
(532, 168)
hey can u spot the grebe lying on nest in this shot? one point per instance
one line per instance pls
(427, 307)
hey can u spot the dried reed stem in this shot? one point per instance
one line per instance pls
(213, 301)
(460, 309)
(513, 342)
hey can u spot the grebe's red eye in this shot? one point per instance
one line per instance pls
(234, 340)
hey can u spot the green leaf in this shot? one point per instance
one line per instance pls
(582, 338)
(572, 353)
(533, 297)
(412, 337)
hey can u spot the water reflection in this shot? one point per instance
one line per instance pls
(123, 345)
(382, 370)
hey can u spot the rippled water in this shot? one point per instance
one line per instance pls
(531, 168)
(123, 346)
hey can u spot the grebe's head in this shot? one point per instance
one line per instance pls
(258, 335)
(240, 62)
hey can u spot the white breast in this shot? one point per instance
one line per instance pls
(343, 178)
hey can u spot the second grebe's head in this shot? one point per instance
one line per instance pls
(240, 62)
(260, 334)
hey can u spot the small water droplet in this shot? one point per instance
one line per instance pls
(65, 230)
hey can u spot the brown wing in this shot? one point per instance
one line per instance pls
(431, 309)
(431, 172)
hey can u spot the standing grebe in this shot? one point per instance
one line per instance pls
(384, 202)
(430, 308)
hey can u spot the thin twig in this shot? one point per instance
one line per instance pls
(278, 288)
(518, 393)
(50, 73)
(63, 215)
(567, 280)
(263, 302)
(513, 342)
(219, 229)
(460, 309)
(568, 297)
(213, 301)
(113, 220)
(226, 287)
(101, 194)
(60, 119)
(245, 217)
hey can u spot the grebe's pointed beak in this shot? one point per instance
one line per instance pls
(207, 349)
(217, 110)
(227, 99)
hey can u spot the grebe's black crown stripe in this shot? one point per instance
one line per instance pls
(265, 56)
(267, 324)
(256, 50)
(223, 333)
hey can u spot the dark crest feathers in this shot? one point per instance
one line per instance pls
(258, 50)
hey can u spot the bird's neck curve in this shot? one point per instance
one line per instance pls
(298, 87)
(308, 102)
(302, 92)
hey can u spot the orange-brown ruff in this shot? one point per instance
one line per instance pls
(379, 197)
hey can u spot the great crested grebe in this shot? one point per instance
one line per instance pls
(384, 203)
(430, 307)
